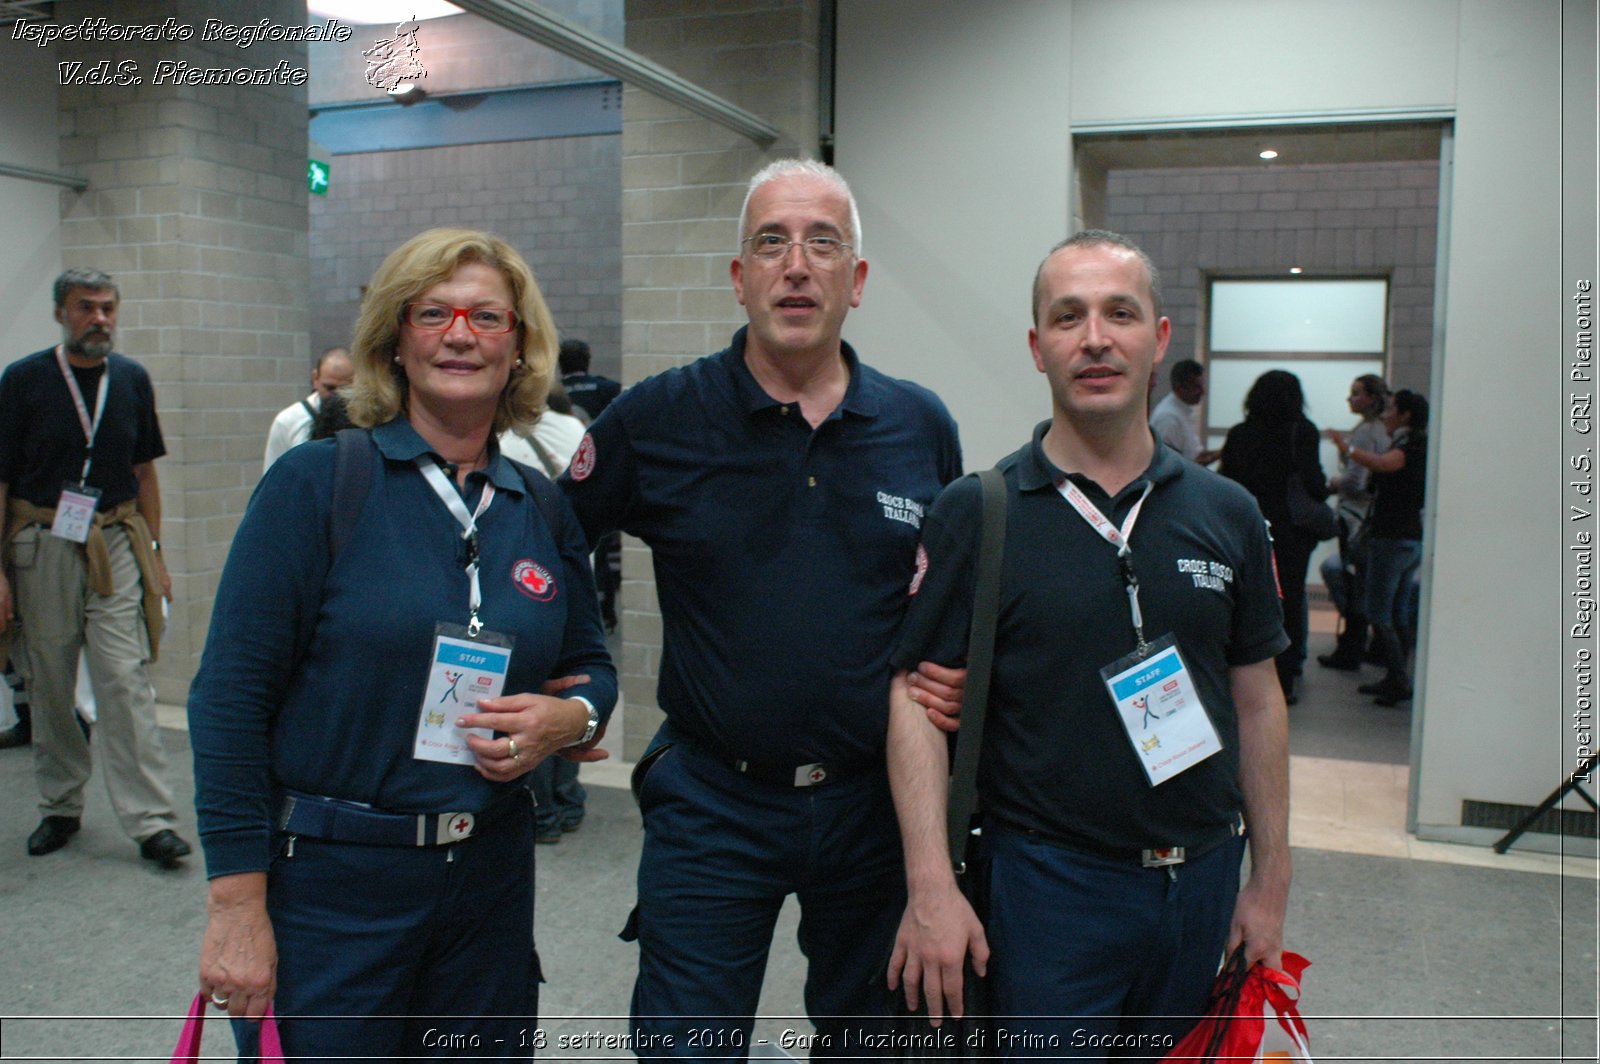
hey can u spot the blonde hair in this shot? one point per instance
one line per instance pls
(380, 390)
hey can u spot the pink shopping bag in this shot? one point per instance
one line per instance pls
(188, 1047)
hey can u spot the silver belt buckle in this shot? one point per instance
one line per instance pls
(451, 827)
(1162, 856)
(811, 775)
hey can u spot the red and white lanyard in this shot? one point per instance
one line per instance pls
(1118, 538)
(469, 529)
(91, 426)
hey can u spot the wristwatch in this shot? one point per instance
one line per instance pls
(594, 723)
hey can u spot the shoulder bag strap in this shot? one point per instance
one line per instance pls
(352, 480)
(980, 661)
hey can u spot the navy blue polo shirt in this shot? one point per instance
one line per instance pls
(41, 439)
(591, 392)
(313, 676)
(782, 554)
(1056, 758)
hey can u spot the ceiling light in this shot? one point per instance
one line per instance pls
(1296, 269)
(1269, 153)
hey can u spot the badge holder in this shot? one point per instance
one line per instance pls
(75, 512)
(464, 668)
(1156, 700)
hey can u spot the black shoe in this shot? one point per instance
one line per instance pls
(21, 735)
(164, 848)
(1389, 690)
(52, 834)
(1336, 660)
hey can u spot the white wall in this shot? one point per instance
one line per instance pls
(954, 125)
(951, 129)
(31, 209)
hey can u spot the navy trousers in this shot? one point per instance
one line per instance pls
(1095, 958)
(721, 853)
(391, 952)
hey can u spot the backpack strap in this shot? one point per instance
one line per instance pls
(352, 481)
(311, 411)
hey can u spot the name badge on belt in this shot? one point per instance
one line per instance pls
(462, 670)
(75, 512)
(1155, 697)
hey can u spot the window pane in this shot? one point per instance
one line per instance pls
(1326, 383)
(1284, 316)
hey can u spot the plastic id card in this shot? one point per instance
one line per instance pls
(462, 670)
(75, 513)
(1154, 694)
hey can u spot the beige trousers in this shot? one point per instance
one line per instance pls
(62, 617)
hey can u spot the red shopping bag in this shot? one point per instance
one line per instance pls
(1235, 1026)
(188, 1047)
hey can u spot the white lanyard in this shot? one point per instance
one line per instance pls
(469, 529)
(1118, 538)
(90, 426)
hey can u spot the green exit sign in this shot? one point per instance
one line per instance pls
(317, 177)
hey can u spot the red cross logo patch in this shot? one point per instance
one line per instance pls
(533, 580)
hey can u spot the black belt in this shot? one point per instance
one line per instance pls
(1150, 857)
(812, 774)
(317, 817)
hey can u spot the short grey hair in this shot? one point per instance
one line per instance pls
(802, 168)
(82, 277)
(1090, 238)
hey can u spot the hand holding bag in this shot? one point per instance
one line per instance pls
(188, 1047)
(1235, 1026)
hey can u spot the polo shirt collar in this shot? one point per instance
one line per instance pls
(398, 442)
(862, 398)
(1036, 471)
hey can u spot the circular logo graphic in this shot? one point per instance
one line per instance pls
(583, 461)
(533, 580)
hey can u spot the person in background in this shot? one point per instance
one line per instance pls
(79, 439)
(1274, 442)
(548, 446)
(370, 860)
(1176, 419)
(1394, 539)
(590, 395)
(294, 422)
(1344, 572)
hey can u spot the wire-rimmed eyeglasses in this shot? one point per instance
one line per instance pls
(818, 249)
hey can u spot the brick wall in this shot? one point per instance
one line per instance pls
(683, 180)
(1378, 218)
(556, 201)
(197, 206)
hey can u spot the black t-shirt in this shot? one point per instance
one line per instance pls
(1397, 497)
(42, 443)
(1056, 757)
